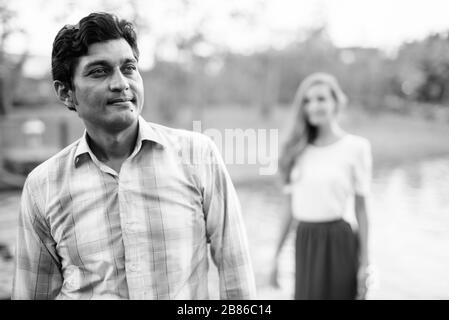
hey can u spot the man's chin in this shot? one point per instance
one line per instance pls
(122, 121)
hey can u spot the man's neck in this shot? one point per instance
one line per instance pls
(110, 146)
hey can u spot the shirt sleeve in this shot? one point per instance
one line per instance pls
(225, 229)
(37, 269)
(363, 169)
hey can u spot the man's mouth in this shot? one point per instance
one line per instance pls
(121, 100)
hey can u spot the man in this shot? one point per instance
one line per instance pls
(125, 212)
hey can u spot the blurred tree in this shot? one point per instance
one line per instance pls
(166, 91)
(10, 68)
(269, 82)
(313, 51)
(195, 58)
(422, 69)
(196, 53)
(10, 72)
(365, 74)
(129, 9)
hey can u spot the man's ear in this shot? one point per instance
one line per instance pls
(65, 94)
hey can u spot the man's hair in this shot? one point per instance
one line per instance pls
(73, 41)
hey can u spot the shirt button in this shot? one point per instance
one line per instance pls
(133, 267)
(70, 284)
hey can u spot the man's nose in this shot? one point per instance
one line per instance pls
(118, 82)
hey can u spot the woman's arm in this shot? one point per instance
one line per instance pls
(286, 222)
(361, 212)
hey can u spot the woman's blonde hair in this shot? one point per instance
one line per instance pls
(302, 132)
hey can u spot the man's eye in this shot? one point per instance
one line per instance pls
(129, 68)
(98, 72)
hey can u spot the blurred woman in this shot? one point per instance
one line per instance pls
(324, 168)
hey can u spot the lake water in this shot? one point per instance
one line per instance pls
(409, 234)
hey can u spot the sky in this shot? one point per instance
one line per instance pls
(256, 24)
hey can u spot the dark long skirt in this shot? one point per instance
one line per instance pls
(326, 261)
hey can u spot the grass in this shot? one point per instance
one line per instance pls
(396, 140)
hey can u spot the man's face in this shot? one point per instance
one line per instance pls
(108, 89)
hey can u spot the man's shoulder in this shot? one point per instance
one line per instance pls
(175, 136)
(51, 164)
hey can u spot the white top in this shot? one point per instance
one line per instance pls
(326, 178)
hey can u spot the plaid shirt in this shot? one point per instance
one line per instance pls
(86, 232)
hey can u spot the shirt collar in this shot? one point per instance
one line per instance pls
(146, 133)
